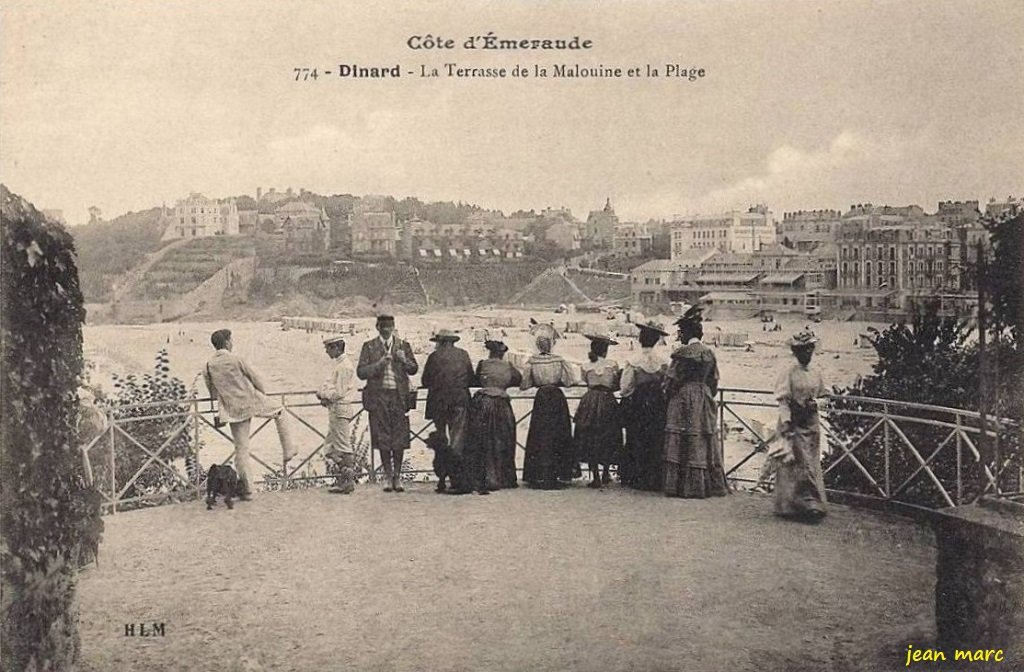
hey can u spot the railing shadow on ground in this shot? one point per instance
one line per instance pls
(883, 450)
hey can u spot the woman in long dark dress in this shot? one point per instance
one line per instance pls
(693, 457)
(492, 424)
(799, 487)
(642, 406)
(550, 460)
(598, 423)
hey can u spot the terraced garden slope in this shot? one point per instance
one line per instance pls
(188, 266)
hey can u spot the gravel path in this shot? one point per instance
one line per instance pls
(520, 580)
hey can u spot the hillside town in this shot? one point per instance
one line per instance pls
(870, 262)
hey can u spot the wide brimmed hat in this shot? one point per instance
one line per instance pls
(652, 326)
(495, 346)
(601, 338)
(445, 335)
(694, 315)
(803, 339)
(331, 340)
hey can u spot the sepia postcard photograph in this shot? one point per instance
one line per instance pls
(479, 335)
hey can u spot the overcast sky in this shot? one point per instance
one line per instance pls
(125, 105)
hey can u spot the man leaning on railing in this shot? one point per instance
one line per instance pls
(241, 394)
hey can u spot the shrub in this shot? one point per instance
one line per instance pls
(47, 513)
(933, 361)
(136, 397)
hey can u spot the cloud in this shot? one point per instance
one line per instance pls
(796, 178)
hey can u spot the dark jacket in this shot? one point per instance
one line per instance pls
(371, 369)
(447, 376)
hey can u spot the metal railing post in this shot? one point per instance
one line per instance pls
(284, 465)
(195, 443)
(113, 464)
(721, 423)
(959, 460)
(888, 444)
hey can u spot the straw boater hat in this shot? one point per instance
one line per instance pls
(331, 340)
(803, 339)
(652, 326)
(495, 346)
(445, 335)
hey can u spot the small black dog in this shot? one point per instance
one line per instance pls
(442, 460)
(221, 480)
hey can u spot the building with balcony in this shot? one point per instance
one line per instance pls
(374, 231)
(735, 231)
(198, 216)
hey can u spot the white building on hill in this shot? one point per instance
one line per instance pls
(198, 216)
(734, 231)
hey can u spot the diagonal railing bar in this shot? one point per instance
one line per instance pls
(417, 434)
(927, 469)
(153, 457)
(89, 446)
(266, 421)
(848, 452)
(977, 458)
(925, 464)
(762, 442)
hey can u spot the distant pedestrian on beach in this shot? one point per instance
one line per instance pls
(447, 375)
(242, 396)
(693, 458)
(799, 486)
(492, 425)
(598, 436)
(385, 363)
(339, 394)
(643, 407)
(550, 457)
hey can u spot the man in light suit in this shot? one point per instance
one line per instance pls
(385, 363)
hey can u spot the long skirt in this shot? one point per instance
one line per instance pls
(549, 449)
(644, 411)
(693, 458)
(492, 428)
(799, 486)
(598, 428)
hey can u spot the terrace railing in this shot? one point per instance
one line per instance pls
(882, 449)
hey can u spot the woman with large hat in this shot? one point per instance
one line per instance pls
(598, 423)
(550, 460)
(492, 424)
(799, 487)
(693, 456)
(642, 406)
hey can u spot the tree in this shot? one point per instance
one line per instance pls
(46, 508)
(1004, 277)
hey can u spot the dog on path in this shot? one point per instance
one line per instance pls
(221, 480)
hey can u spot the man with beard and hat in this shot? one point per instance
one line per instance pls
(447, 375)
(385, 363)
